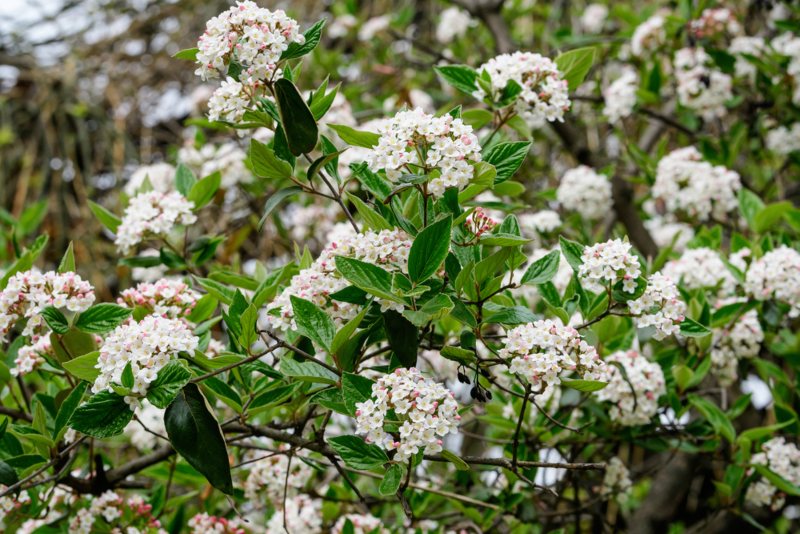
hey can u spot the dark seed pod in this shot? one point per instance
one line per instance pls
(473, 392)
(464, 379)
(479, 396)
(488, 394)
(485, 372)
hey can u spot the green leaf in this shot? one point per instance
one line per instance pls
(195, 433)
(587, 386)
(573, 251)
(511, 315)
(106, 218)
(456, 460)
(126, 378)
(507, 158)
(367, 277)
(297, 120)
(691, 328)
(308, 371)
(542, 270)
(358, 454)
(391, 480)
(719, 421)
(778, 481)
(102, 318)
(503, 240)
(346, 332)
(750, 205)
(55, 320)
(67, 264)
(770, 215)
(619, 294)
(184, 179)
(275, 199)
(102, 416)
(354, 137)
(83, 367)
(461, 77)
(355, 389)
(458, 354)
(372, 218)
(429, 250)
(266, 164)
(313, 323)
(312, 37)
(575, 64)
(8, 476)
(204, 190)
(403, 337)
(171, 378)
(189, 54)
(67, 408)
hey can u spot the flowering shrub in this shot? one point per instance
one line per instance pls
(557, 289)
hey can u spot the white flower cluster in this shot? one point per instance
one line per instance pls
(659, 306)
(229, 102)
(688, 184)
(209, 524)
(585, 191)
(649, 35)
(635, 398)
(11, 503)
(713, 22)
(594, 18)
(227, 159)
(701, 268)
(541, 222)
(776, 275)
(252, 39)
(362, 524)
(148, 345)
(617, 480)
(605, 264)
(142, 437)
(30, 357)
(152, 214)
(545, 94)
(414, 142)
(453, 23)
(701, 87)
(267, 476)
(303, 516)
(29, 292)
(783, 140)
(544, 350)
(387, 248)
(781, 458)
(160, 175)
(426, 409)
(751, 46)
(742, 340)
(251, 36)
(167, 297)
(620, 96)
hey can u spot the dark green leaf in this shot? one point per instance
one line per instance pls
(507, 158)
(55, 320)
(542, 270)
(429, 250)
(297, 120)
(403, 337)
(572, 251)
(461, 77)
(103, 415)
(391, 480)
(313, 323)
(102, 318)
(312, 37)
(354, 137)
(358, 454)
(575, 64)
(171, 378)
(195, 433)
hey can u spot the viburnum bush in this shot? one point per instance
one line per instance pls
(558, 291)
